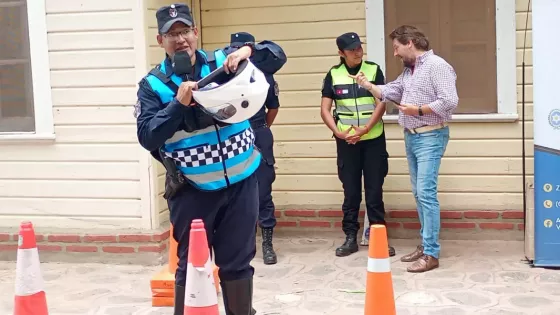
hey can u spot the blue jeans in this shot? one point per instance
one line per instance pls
(424, 152)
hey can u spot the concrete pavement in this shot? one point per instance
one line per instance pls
(476, 277)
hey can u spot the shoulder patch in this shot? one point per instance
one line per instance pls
(276, 88)
(137, 109)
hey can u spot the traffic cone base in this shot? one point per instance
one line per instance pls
(380, 297)
(30, 297)
(35, 304)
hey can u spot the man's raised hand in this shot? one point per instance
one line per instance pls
(184, 94)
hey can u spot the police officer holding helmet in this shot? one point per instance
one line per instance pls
(360, 137)
(210, 164)
(264, 140)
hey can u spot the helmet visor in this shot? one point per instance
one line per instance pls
(222, 112)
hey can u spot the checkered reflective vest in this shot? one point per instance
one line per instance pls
(215, 157)
(354, 104)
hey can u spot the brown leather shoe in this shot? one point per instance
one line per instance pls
(417, 253)
(424, 263)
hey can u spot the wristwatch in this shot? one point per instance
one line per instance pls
(420, 111)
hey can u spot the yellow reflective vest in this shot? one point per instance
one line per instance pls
(354, 104)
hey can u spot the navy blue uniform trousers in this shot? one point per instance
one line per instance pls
(229, 216)
(266, 175)
(369, 157)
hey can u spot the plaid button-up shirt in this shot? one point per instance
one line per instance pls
(431, 83)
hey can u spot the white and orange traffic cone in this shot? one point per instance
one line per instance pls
(30, 297)
(200, 289)
(380, 297)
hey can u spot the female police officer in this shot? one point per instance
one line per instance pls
(360, 137)
(223, 189)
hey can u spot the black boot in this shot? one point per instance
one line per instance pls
(269, 256)
(350, 246)
(179, 305)
(238, 297)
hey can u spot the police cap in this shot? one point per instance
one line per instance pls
(240, 38)
(168, 15)
(348, 41)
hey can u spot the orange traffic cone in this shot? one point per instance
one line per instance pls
(30, 297)
(200, 289)
(380, 298)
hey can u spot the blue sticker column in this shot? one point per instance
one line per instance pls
(546, 113)
(547, 206)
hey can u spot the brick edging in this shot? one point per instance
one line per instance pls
(106, 243)
(155, 243)
(407, 219)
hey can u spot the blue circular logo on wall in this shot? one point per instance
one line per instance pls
(554, 118)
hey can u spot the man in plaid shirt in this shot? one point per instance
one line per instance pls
(426, 95)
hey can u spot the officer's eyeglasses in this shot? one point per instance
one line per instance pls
(173, 37)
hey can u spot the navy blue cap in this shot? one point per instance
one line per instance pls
(168, 15)
(348, 41)
(240, 38)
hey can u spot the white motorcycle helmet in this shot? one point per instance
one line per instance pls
(232, 97)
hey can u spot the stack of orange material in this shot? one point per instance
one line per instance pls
(163, 282)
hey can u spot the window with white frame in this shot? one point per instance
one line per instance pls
(25, 99)
(477, 37)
